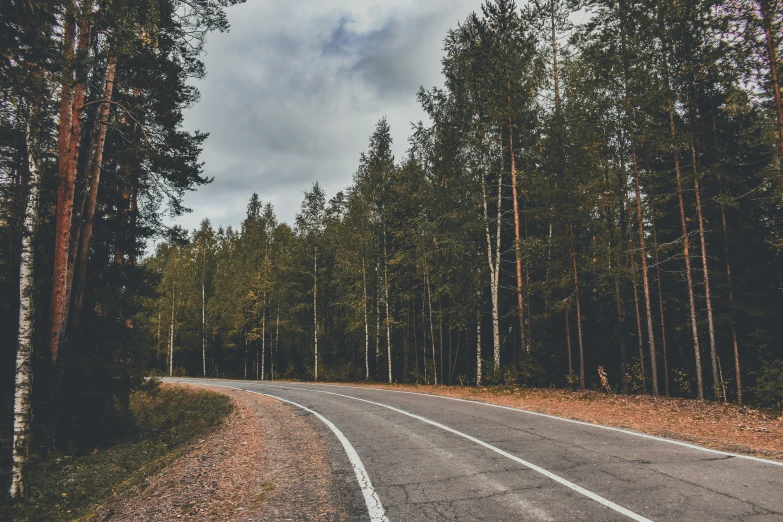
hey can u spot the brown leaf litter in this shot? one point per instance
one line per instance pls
(264, 463)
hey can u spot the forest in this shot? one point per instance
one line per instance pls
(592, 205)
(93, 158)
(595, 202)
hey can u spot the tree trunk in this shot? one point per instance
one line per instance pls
(705, 266)
(618, 297)
(406, 343)
(660, 305)
(640, 224)
(621, 334)
(203, 323)
(737, 367)
(555, 72)
(386, 295)
(568, 343)
(645, 277)
(315, 308)
(683, 221)
(24, 378)
(517, 239)
(440, 335)
(415, 335)
(766, 20)
(377, 323)
(578, 312)
(424, 333)
(366, 326)
(478, 338)
(171, 336)
(432, 328)
(494, 262)
(639, 331)
(263, 342)
(277, 343)
(71, 105)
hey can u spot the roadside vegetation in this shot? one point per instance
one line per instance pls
(162, 420)
(593, 201)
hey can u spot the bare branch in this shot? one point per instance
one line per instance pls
(127, 113)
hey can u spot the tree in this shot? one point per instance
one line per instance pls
(310, 225)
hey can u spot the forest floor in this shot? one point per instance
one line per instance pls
(724, 427)
(266, 462)
(163, 421)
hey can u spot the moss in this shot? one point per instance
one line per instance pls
(163, 421)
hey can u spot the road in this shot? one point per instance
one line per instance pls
(426, 458)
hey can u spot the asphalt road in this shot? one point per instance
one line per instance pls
(406, 456)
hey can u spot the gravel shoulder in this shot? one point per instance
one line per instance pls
(267, 462)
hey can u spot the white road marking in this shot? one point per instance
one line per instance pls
(554, 417)
(579, 489)
(371, 498)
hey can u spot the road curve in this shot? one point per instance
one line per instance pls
(429, 458)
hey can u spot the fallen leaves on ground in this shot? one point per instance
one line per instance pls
(720, 426)
(264, 463)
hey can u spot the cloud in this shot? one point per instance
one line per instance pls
(294, 90)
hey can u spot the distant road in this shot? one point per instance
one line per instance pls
(427, 458)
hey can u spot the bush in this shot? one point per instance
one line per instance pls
(769, 391)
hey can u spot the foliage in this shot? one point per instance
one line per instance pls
(581, 112)
(770, 386)
(162, 422)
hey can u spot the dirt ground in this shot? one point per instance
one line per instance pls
(265, 463)
(724, 427)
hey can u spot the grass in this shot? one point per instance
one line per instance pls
(163, 421)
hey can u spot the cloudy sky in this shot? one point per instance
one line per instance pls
(294, 90)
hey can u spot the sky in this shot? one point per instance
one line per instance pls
(295, 88)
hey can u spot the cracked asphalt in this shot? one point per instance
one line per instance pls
(424, 473)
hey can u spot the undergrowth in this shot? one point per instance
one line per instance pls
(163, 420)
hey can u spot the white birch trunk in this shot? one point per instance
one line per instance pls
(377, 324)
(478, 342)
(203, 326)
(23, 381)
(496, 274)
(366, 326)
(171, 336)
(388, 318)
(424, 335)
(315, 308)
(493, 267)
(263, 341)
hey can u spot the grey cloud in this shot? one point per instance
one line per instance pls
(294, 90)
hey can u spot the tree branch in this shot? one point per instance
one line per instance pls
(127, 113)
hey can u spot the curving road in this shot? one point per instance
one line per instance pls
(408, 456)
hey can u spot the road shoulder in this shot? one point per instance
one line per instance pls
(267, 462)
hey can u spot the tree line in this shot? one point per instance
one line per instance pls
(590, 205)
(93, 156)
